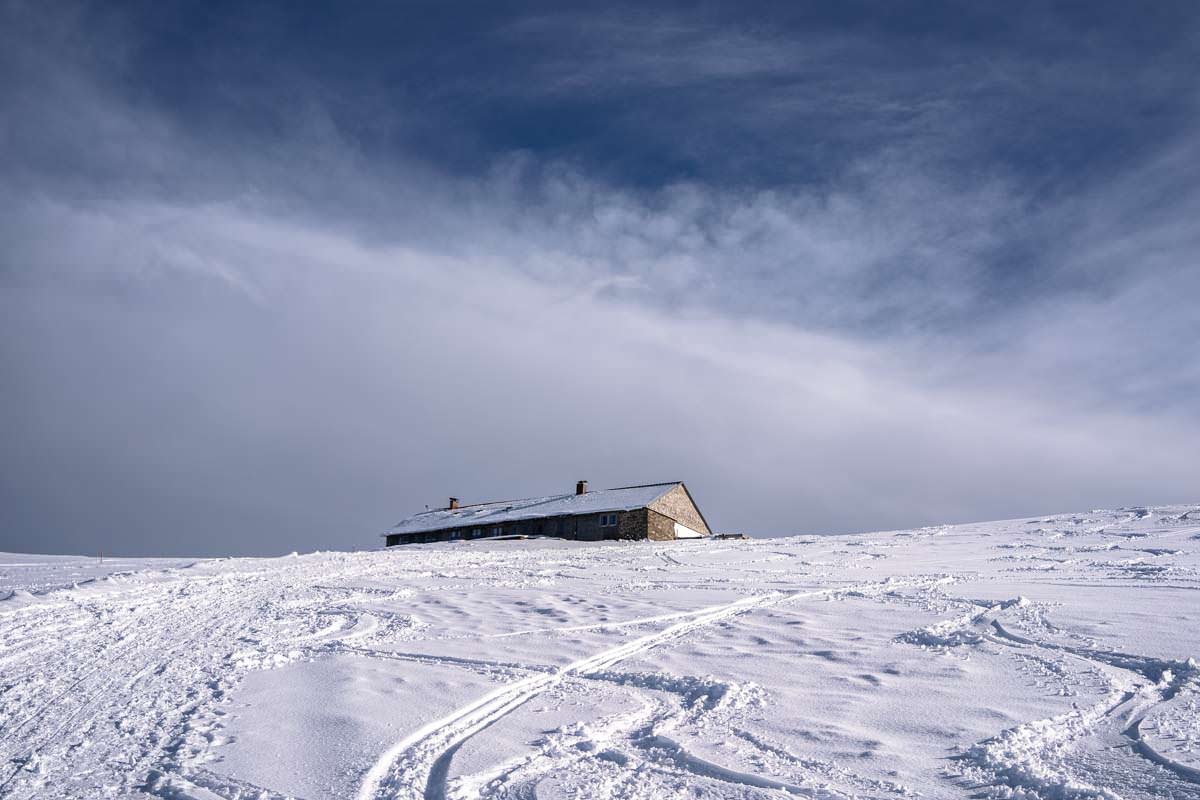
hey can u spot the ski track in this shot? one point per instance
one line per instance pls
(409, 769)
(130, 675)
(1043, 758)
(1140, 685)
(640, 743)
(115, 687)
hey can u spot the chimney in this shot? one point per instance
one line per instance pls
(581, 487)
(453, 503)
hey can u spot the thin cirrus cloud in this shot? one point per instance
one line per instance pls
(218, 347)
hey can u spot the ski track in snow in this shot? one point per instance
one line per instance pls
(123, 686)
(1032, 755)
(410, 768)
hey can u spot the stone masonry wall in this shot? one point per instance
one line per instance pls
(632, 524)
(658, 527)
(678, 506)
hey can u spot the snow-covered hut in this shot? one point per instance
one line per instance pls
(654, 511)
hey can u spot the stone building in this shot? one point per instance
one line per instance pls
(655, 511)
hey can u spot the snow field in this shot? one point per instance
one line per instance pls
(1048, 658)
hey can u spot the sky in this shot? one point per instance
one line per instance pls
(274, 276)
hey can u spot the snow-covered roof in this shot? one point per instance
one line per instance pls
(625, 498)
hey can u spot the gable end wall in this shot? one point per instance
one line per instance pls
(677, 505)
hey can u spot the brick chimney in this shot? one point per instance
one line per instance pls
(453, 503)
(581, 487)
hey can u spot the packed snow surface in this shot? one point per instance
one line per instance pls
(1044, 658)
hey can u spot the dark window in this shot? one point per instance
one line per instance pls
(608, 520)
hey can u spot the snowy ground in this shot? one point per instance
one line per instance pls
(1033, 658)
(25, 574)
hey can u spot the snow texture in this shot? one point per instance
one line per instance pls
(1045, 658)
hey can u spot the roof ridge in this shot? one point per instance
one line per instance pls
(642, 486)
(513, 500)
(553, 496)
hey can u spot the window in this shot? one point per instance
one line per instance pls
(608, 520)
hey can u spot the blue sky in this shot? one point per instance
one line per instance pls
(276, 275)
